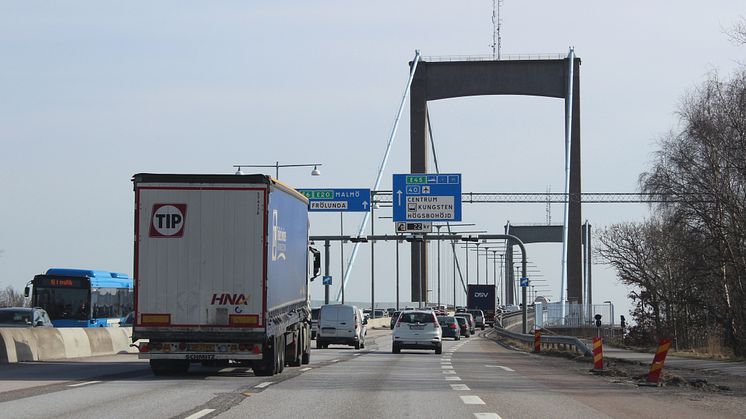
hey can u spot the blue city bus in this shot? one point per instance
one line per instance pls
(83, 297)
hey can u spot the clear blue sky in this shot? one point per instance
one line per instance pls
(95, 91)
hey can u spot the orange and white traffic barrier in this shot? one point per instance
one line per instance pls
(656, 368)
(598, 354)
(537, 340)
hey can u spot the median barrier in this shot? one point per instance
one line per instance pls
(378, 322)
(43, 344)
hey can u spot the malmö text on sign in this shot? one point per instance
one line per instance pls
(336, 200)
(427, 197)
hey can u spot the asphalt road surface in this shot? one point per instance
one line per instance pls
(473, 378)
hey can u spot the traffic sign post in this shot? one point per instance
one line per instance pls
(337, 200)
(427, 197)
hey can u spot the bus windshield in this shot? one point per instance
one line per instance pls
(63, 303)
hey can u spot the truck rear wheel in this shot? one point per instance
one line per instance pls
(298, 345)
(281, 354)
(267, 367)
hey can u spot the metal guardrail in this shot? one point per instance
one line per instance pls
(503, 57)
(571, 341)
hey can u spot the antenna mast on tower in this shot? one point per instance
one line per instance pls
(496, 26)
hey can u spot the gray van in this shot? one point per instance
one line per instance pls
(340, 324)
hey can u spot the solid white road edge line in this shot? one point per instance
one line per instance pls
(83, 384)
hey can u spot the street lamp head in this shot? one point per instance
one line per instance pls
(315, 171)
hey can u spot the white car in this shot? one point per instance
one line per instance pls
(417, 329)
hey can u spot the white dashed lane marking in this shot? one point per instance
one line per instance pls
(306, 369)
(501, 367)
(487, 416)
(460, 387)
(453, 379)
(471, 400)
(264, 384)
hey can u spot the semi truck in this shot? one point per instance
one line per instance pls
(222, 268)
(482, 297)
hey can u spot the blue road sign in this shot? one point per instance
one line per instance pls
(326, 280)
(427, 197)
(524, 281)
(337, 200)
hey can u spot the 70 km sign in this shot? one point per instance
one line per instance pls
(427, 197)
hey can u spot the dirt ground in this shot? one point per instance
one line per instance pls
(687, 382)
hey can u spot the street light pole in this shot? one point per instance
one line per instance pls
(486, 268)
(397, 274)
(439, 227)
(372, 263)
(502, 286)
(477, 263)
(277, 166)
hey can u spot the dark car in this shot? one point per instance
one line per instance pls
(450, 327)
(463, 326)
(478, 318)
(24, 317)
(470, 319)
(394, 318)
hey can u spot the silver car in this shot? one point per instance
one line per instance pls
(24, 317)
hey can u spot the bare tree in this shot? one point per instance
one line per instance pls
(737, 33)
(705, 162)
(9, 297)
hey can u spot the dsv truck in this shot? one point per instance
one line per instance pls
(221, 268)
(482, 297)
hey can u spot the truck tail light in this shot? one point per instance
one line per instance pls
(144, 347)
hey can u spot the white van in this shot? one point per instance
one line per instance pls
(340, 324)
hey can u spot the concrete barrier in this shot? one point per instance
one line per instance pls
(378, 322)
(46, 343)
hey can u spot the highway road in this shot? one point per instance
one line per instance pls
(473, 378)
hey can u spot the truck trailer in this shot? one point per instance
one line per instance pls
(221, 265)
(482, 297)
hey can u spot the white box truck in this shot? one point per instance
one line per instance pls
(221, 272)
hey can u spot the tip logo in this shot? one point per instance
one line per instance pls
(168, 220)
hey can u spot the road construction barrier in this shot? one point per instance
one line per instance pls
(537, 340)
(656, 368)
(48, 343)
(598, 354)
